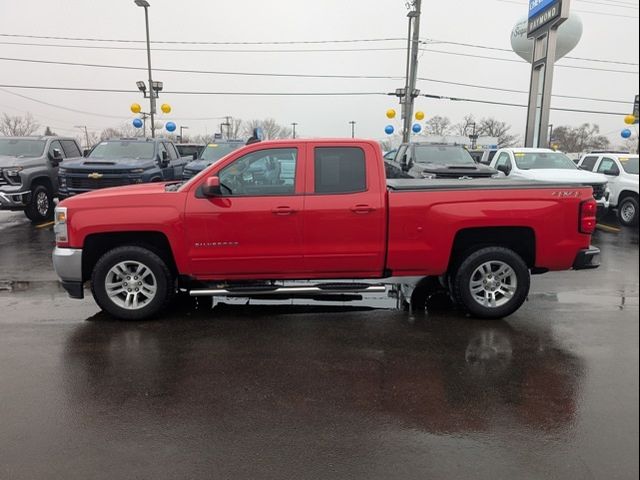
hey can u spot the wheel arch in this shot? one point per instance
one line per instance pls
(97, 244)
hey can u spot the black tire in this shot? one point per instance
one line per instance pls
(40, 207)
(469, 271)
(163, 283)
(626, 206)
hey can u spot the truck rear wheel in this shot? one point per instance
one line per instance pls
(492, 282)
(131, 283)
(40, 208)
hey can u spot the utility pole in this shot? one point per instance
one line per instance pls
(408, 94)
(226, 123)
(86, 134)
(473, 137)
(182, 128)
(353, 128)
(550, 134)
(294, 125)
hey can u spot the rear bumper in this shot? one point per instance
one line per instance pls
(587, 258)
(67, 263)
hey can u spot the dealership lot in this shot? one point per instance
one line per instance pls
(269, 391)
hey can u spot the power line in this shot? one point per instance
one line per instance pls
(297, 50)
(292, 94)
(507, 104)
(606, 14)
(177, 42)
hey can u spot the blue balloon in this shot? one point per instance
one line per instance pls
(389, 129)
(626, 133)
(417, 128)
(137, 123)
(170, 126)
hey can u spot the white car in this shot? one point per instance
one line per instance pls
(550, 166)
(621, 169)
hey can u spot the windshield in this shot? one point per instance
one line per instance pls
(544, 160)
(215, 151)
(117, 149)
(442, 155)
(15, 147)
(630, 164)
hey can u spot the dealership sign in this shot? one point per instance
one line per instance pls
(542, 13)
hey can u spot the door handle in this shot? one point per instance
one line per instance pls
(362, 209)
(282, 211)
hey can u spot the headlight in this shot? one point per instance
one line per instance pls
(137, 170)
(61, 171)
(12, 173)
(428, 175)
(60, 227)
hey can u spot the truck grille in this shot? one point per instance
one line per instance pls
(3, 181)
(598, 191)
(80, 183)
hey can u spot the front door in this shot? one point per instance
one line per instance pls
(255, 227)
(344, 213)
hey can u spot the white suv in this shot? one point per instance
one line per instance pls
(550, 166)
(621, 170)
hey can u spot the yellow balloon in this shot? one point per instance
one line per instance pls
(166, 108)
(629, 119)
(419, 115)
(136, 108)
(391, 113)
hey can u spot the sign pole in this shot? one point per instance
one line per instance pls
(545, 16)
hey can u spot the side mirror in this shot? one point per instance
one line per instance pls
(504, 169)
(86, 152)
(612, 172)
(165, 156)
(582, 167)
(56, 156)
(195, 155)
(405, 166)
(211, 187)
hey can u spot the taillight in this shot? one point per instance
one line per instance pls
(588, 210)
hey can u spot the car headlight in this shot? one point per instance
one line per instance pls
(60, 227)
(428, 175)
(61, 171)
(137, 170)
(12, 173)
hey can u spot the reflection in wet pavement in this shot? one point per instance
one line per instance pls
(330, 391)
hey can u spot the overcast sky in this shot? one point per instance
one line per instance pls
(610, 33)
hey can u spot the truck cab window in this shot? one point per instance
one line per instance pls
(339, 170)
(588, 163)
(265, 172)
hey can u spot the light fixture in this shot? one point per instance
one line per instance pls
(157, 86)
(141, 86)
(142, 3)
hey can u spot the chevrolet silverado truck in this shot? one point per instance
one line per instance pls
(29, 173)
(272, 214)
(121, 161)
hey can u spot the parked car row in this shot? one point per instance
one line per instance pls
(35, 170)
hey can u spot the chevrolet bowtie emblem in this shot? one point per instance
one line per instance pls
(95, 175)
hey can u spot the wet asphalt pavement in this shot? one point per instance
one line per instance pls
(337, 392)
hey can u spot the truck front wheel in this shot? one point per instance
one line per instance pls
(40, 208)
(492, 282)
(131, 283)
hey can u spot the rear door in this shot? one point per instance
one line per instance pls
(344, 212)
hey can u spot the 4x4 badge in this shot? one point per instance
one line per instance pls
(95, 175)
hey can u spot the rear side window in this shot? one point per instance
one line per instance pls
(588, 163)
(70, 148)
(340, 170)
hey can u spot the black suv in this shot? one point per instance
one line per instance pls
(428, 160)
(121, 161)
(29, 173)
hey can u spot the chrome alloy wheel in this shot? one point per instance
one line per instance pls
(42, 203)
(628, 212)
(493, 284)
(130, 285)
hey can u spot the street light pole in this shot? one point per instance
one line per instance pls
(353, 128)
(152, 93)
(294, 125)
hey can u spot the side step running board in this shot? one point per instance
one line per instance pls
(329, 289)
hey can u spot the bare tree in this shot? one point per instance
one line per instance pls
(465, 127)
(438, 125)
(492, 127)
(270, 128)
(17, 126)
(584, 138)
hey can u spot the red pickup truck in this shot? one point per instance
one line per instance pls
(274, 213)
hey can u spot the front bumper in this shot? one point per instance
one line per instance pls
(587, 258)
(14, 199)
(67, 263)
